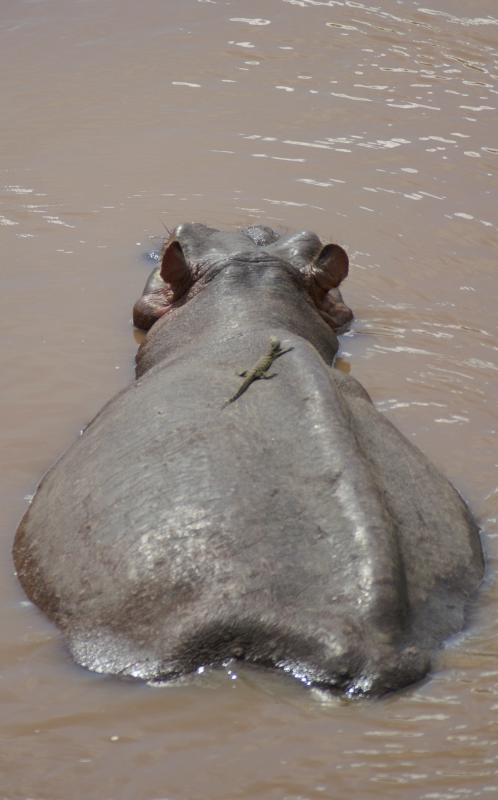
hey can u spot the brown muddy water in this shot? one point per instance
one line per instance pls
(374, 124)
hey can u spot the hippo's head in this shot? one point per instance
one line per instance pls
(194, 255)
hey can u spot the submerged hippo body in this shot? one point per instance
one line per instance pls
(294, 528)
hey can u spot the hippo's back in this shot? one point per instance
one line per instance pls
(295, 528)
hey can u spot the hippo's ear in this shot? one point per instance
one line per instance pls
(167, 286)
(175, 270)
(324, 275)
(331, 266)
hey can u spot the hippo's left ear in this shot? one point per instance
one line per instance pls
(175, 270)
(330, 267)
(167, 286)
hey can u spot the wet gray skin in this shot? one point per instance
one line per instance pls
(294, 528)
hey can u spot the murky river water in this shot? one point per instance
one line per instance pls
(374, 124)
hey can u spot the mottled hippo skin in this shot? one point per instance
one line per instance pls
(293, 528)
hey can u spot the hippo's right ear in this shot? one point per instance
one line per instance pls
(324, 275)
(331, 266)
(175, 270)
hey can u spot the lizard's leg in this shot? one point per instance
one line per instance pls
(282, 352)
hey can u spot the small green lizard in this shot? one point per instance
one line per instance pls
(260, 368)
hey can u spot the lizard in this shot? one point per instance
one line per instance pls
(260, 369)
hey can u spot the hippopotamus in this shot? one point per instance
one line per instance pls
(289, 525)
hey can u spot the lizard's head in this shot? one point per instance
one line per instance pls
(274, 344)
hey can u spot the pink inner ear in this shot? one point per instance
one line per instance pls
(174, 269)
